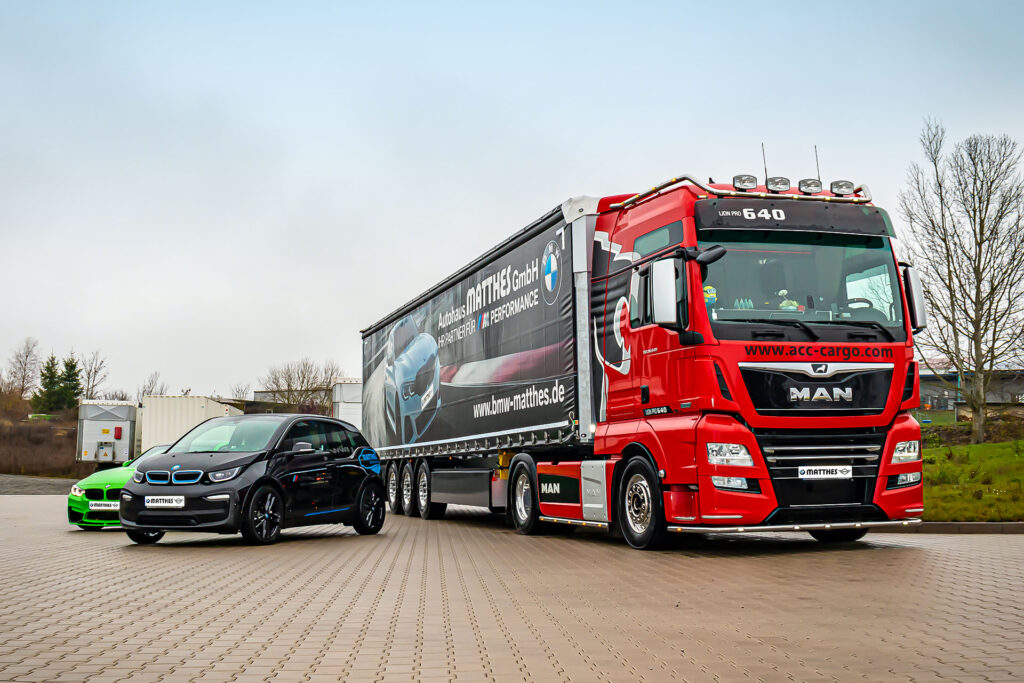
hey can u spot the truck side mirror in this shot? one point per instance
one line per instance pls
(664, 302)
(710, 255)
(915, 299)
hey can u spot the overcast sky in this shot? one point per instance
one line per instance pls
(208, 189)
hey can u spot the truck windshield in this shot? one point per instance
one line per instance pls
(842, 287)
(229, 434)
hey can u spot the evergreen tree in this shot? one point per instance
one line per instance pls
(48, 398)
(70, 382)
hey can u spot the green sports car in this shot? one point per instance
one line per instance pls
(93, 502)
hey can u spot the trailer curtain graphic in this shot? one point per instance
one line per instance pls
(491, 352)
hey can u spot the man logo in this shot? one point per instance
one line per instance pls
(551, 271)
(797, 394)
(819, 368)
(550, 487)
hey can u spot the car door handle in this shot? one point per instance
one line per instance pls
(645, 394)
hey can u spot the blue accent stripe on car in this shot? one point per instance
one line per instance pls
(324, 512)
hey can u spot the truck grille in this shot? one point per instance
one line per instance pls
(785, 450)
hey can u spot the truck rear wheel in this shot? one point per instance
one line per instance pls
(640, 511)
(394, 488)
(409, 490)
(428, 510)
(838, 535)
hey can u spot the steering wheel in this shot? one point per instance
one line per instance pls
(860, 300)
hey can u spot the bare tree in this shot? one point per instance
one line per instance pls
(152, 387)
(94, 374)
(240, 391)
(116, 395)
(965, 208)
(303, 384)
(23, 367)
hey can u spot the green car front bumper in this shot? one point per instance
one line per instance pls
(80, 514)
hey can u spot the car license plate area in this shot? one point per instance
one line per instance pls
(103, 505)
(171, 502)
(813, 472)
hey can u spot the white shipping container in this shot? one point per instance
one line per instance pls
(165, 419)
(106, 431)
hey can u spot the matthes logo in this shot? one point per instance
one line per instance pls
(797, 394)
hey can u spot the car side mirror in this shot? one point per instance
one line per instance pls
(915, 299)
(302, 448)
(664, 302)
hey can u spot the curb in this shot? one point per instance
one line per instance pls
(955, 528)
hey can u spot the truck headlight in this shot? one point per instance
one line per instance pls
(906, 451)
(138, 476)
(76, 491)
(224, 475)
(729, 454)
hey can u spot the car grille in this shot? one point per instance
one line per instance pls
(113, 494)
(94, 494)
(180, 477)
(785, 450)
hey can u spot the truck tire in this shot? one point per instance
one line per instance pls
(369, 509)
(640, 511)
(408, 489)
(428, 510)
(838, 535)
(394, 488)
(523, 500)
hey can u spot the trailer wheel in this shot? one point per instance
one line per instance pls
(394, 488)
(640, 513)
(524, 501)
(838, 535)
(428, 510)
(409, 490)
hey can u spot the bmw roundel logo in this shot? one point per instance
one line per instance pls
(175, 467)
(550, 272)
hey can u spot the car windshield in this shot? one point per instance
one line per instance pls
(230, 434)
(816, 279)
(152, 451)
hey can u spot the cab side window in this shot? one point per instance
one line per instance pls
(639, 299)
(658, 239)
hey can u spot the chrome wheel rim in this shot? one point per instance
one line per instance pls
(424, 490)
(266, 519)
(407, 489)
(372, 509)
(639, 504)
(392, 485)
(524, 497)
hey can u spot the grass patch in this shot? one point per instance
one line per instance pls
(974, 483)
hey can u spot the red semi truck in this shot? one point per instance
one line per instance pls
(699, 357)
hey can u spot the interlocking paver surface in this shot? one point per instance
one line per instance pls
(468, 599)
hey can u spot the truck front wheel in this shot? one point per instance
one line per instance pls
(640, 511)
(838, 535)
(524, 503)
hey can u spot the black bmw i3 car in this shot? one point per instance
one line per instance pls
(257, 474)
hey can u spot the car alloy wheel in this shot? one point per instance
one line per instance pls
(265, 515)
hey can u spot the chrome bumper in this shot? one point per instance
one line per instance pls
(754, 529)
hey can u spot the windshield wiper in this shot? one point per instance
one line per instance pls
(790, 322)
(859, 323)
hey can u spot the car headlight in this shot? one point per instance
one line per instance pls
(138, 476)
(224, 475)
(407, 389)
(76, 491)
(906, 451)
(729, 454)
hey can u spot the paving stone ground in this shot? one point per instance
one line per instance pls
(468, 599)
(34, 486)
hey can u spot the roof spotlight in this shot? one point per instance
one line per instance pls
(809, 186)
(777, 184)
(841, 188)
(744, 182)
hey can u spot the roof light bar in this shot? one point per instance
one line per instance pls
(809, 186)
(777, 184)
(862, 190)
(842, 188)
(744, 182)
